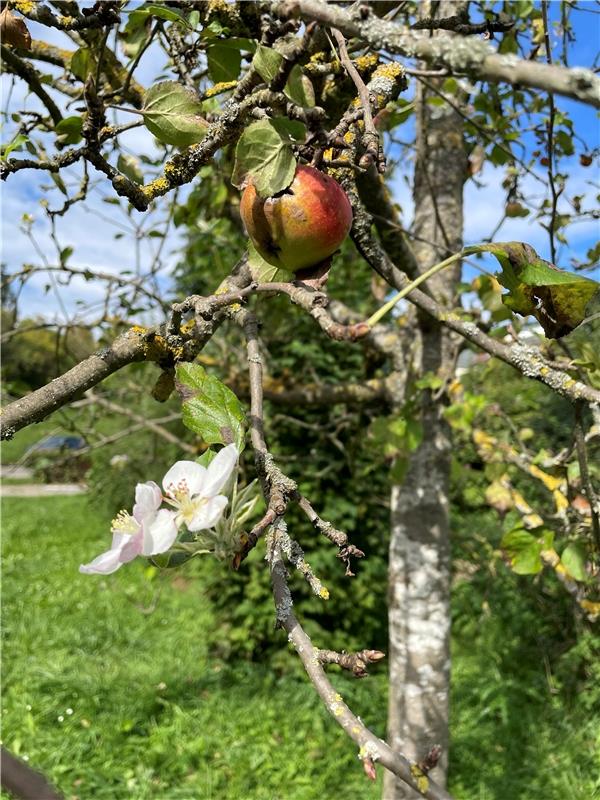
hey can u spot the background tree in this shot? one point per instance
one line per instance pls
(333, 78)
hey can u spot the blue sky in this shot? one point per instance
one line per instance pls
(105, 237)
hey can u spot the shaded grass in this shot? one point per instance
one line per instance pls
(518, 741)
(525, 711)
(21, 481)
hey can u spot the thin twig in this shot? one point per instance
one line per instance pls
(356, 663)
(550, 139)
(372, 748)
(370, 137)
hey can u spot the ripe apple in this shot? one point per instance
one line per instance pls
(300, 226)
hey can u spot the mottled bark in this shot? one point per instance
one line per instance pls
(419, 561)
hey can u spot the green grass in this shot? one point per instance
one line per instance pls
(21, 481)
(115, 703)
(153, 716)
(525, 700)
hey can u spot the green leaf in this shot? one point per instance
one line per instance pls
(214, 29)
(224, 63)
(162, 12)
(395, 436)
(583, 342)
(209, 407)
(206, 457)
(290, 130)
(263, 156)
(239, 43)
(135, 33)
(573, 559)
(263, 272)
(15, 144)
(174, 114)
(399, 469)
(59, 183)
(524, 550)
(130, 166)
(429, 381)
(266, 62)
(462, 415)
(82, 63)
(141, 15)
(65, 255)
(500, 155)
(515, 209)
(565, 142)
(556, 298)
(299, 88)
(394, 114)
(69, 130)
(414, 434)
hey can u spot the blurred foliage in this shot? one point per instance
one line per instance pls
(36, 352)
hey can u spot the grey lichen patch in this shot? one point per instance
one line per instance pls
(283, 602)
(582, 78)
(584, 82)
(469, 327)
(369, 750)
(295, 555)
(532, 365)
(387, 82)
(276, 476)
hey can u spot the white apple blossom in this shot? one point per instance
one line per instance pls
(148, 531)
(193, 490)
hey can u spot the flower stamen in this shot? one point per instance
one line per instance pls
(124, 523)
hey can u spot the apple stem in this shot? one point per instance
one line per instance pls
(381, 312)
(128, 110)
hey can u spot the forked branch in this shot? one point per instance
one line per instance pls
(372, 750)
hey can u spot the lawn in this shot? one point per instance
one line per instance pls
(110, 688)
(114, 702)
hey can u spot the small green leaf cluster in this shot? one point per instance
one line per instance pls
(298, 87)
(524, 549)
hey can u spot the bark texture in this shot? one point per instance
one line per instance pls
(419, 559)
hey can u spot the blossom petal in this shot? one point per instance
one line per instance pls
(160, 534)
(148, 498)
(219, 470)
(119, 540)
(186, 473)
(107, 562)
(208, 513)
(133, 547)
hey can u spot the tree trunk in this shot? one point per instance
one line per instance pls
(419, 558)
